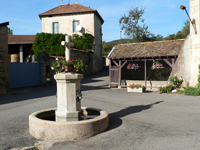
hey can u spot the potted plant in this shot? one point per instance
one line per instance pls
(78, 65)
(157, 65)
(133, 66)
(59, 65)
(68, 65)
(136, 88)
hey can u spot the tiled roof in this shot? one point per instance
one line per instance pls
(69, 9)
(147, 49)
(21, 39)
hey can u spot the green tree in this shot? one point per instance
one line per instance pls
(180, 34)
(10, 32)
(186, 28)
(134, 26)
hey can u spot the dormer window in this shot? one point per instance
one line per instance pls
(75, 24)
(55, 27)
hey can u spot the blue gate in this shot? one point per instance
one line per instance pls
(24, 74)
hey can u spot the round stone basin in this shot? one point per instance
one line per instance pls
(42, 125)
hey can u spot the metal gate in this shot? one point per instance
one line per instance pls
(114, 75)
(24, 74)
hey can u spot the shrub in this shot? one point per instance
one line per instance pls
(199, 78)
(192, 91)
(84, 42)
(51, 43)
(176, 81)
(166, 89)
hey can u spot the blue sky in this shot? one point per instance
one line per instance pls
(163, 17)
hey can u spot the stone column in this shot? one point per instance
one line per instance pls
(21, 53)
(68, 107)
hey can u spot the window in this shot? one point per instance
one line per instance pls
(75, 24)
(55, 27)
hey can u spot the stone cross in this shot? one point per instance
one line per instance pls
(67, 45)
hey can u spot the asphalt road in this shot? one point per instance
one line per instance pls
(147, 121)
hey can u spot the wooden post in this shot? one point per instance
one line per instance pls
(110, 71)
(145, 72)
(120, 75)
(173, 63)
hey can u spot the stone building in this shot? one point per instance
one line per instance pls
(189, 57)
(3, 57)
(65, 19)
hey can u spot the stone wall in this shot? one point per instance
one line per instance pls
(183, 63)
(189, 56)
(3, 58)
(46, 61)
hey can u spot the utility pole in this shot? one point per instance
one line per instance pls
(120, 37)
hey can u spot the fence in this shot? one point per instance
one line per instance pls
(24, 74)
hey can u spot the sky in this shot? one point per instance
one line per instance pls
(162, 17)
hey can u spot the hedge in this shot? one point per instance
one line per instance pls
(51, 43)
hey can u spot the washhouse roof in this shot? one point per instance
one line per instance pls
(147, 49)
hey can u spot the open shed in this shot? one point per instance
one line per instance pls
(20, 47)
(143, 54)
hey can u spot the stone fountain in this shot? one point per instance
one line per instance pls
(69, 121)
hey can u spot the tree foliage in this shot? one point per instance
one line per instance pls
(134, 26)
(107, 46)
(84, 42)
(10, 31)
(51, 43)
(180, 34)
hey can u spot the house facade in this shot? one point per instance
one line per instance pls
(3, 57)
(65, 19)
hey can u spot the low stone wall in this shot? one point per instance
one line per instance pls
(3, 58)
(46, 61)
(151, 85)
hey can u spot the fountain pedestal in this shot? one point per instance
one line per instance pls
(67, 127)
(68, 106)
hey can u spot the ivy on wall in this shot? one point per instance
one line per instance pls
(51, 43)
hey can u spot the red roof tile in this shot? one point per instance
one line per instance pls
(21, 39)
(147, 49)
(69, 9)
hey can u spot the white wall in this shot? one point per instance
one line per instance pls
(90, 23)
(66, 23)
(194, 41)
(189, 57)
